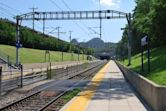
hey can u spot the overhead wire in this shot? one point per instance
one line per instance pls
(71, 10)
(11, 12)
(82, 29)
(5, 15)
(6, 11)
(10, 7)
(80, 20)
(67, 6)
(56, 5)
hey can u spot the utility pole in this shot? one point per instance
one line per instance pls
(70, 43)
(129, 38)
(58, 28)
(43, 26)
(17, 41)
(70, 36)
(33, 23)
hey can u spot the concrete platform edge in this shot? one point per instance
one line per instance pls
(153, 94)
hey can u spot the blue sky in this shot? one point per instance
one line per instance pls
(110, 28)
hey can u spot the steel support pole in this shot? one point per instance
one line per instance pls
(148, 47)
(50, 71)
(100, 28)
(78, 54)
(142, 59)
(17, 41)
(33, 22)
(45, 56)
(58, 28)
(62, 54)
(129, 39)
(70, 44)
(21, 75)
(49, 57)
(43, 27)
(8, 61)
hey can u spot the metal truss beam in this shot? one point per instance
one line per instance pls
(72, 15)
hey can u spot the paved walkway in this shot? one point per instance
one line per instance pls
(108, 91)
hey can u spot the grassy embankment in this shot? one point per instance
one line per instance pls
(158, 65)
(28, 55)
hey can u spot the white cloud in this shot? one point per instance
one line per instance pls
(109, 3)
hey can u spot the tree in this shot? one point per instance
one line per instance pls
(148, 19)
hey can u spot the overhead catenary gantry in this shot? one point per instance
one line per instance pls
(67, 15)
(72, 15)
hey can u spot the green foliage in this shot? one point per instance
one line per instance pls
(33, 39)
(90, 51)
(70, 94)
(28, 55)
(158, 66)
(148, 19)
(121, 49)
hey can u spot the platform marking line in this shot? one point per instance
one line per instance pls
(82, 100)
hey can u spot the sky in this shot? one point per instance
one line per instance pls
(80, 28)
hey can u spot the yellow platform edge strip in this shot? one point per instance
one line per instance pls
(82, 100)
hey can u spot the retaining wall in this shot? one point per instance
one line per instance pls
(153, 94)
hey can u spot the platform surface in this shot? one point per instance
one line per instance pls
(107, 91)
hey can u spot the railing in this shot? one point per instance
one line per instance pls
(67, 72)
(15, 78)
(10, 79)
(51, 72)
(34, 77)
(8, 60)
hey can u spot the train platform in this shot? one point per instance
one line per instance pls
(107, 91)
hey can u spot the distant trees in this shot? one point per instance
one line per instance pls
(33, 39)
(148, 19)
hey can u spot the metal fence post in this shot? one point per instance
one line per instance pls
(8, 61)
(21, 75)
(77, 66)
(67, 70)
(50, 71)
(0, 80)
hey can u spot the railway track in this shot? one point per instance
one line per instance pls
(42, 101)
(57, 103)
